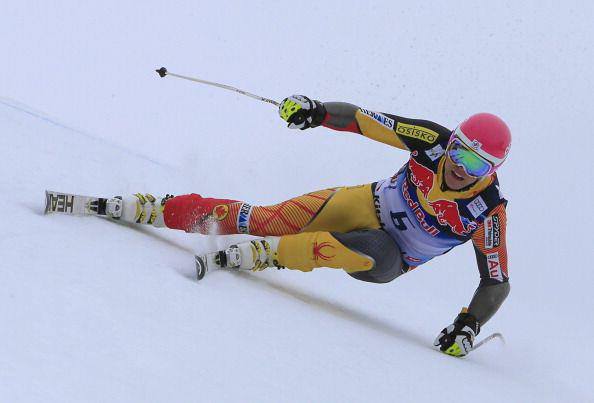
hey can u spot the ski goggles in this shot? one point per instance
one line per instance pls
(473, 164)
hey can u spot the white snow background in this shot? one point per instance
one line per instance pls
(92, 311)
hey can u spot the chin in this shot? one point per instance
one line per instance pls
(454, 183)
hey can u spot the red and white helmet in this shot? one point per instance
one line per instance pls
(487, 135)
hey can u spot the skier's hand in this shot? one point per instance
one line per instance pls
(458, 338)
(301, 112)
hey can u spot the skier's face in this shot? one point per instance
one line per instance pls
(455, 176)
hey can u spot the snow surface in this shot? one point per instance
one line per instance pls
(94, 311)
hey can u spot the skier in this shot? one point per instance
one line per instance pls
(446, 194)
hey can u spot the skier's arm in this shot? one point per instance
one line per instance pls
(489, 244)
(491, 256)
(404, 133)
(397, 131)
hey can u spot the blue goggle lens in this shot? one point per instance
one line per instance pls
(472, 163)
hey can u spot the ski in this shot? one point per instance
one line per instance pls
(229, 259)
(489, 338)
(209, 262)
(201, 267)
(73, 204)
(79, 205)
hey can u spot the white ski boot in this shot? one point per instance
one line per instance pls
(254, 255)
(139, 208)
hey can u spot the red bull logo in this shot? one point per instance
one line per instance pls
(418, 211)
(447, 213)
(421, 176)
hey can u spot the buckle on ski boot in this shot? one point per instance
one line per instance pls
(113, 207)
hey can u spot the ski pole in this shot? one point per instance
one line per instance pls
(163, 72)
(489, 338)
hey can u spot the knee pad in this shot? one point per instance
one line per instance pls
(189, 212)
(381, 247)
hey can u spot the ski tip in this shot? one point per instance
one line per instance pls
(47, 202)
(162, 72)
(201, 267)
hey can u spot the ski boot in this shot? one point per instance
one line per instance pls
(139, 208)
(255, 255)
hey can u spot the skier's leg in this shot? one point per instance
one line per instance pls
(339, 209)
(349, 209)
(189, 212)
(193, 213)
(384, 250)
(367, 255)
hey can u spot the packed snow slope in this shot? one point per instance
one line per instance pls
(94, 311)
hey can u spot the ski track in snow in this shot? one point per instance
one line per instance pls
(30, 111)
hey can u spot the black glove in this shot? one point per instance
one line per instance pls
(301, 112)
(457, 339)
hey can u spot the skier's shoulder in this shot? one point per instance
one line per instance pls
(487, 201)
(493, 192)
